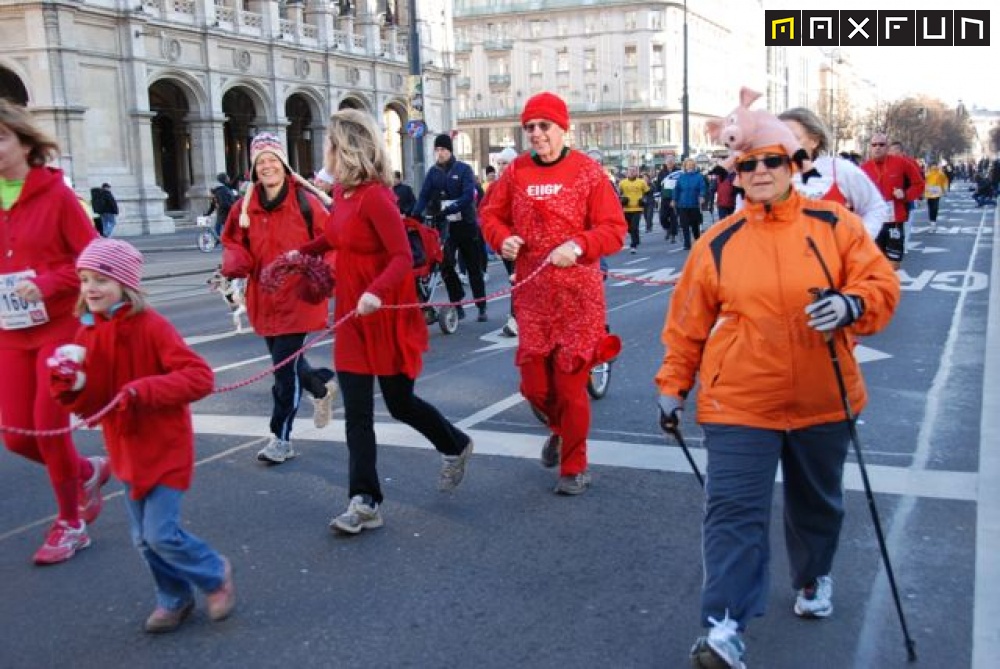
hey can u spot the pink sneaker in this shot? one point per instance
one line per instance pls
(221, 602)
(91, 499)
(62, 543)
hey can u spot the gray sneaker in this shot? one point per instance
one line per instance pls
(323, 406)
(721, 649)
(361, 514)
(816, 599)
(550, 451)
(453, 469)
(575, 484)
(276, 451)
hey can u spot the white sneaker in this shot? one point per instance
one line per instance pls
(816, 599)
(360, 515)
(323, 406)
(276, 451)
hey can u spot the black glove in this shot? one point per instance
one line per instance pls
(670, 412)
(833, 310)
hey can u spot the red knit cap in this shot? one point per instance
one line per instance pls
(548, 106)
(114, 258)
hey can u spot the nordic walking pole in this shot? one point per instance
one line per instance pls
(674, 430)
(911, 652)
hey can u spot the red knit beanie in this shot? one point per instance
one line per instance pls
(548, 106)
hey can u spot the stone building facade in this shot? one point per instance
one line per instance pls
(156, 97)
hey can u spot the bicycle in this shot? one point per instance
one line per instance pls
(207, 239)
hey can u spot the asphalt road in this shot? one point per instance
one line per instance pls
(503, 573)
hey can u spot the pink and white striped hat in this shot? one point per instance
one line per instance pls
(114, 258)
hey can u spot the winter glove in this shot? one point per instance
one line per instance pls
(368, 303)
(66, 369)
(833, 310)
(670, 412)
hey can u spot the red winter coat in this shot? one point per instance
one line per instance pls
(45, 230)
(561, 311)
(151, 439)
(247, 251)
(373, 256)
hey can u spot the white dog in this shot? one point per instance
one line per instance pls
(232, 291)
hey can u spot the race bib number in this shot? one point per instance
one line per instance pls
(17, 313)
(457, 216)
(934, 191)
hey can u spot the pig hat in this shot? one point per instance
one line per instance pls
(745, 131)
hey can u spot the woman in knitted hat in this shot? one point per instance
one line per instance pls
(42, 230)
(374, 262)
(280, 212)
(761, 294)
(555, 206)
(149, 436)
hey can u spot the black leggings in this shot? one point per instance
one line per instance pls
(357, 391)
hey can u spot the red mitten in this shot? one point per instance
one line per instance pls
(128, 399)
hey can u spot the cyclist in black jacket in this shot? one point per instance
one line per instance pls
(449, 196)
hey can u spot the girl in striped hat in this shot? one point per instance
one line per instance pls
(148, 434)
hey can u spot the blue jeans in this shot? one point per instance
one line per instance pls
(108, 222)
(179, 561)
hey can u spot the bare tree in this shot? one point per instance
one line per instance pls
(926, 127)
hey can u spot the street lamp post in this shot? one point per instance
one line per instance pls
(685, 120)
(621, 114)
(417, 145)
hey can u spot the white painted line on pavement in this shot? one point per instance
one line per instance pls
(490, 411)
(986, 603)
(928, 484)
(873, 633)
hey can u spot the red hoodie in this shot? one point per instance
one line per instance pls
(45, 230)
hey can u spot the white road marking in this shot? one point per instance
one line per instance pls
(873, 633)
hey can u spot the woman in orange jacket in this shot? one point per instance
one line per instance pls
(748, 320)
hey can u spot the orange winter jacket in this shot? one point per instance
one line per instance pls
(737, 318)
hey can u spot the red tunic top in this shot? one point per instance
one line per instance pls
(373, 256)
(562, 311)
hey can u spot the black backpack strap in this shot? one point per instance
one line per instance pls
(307, 212)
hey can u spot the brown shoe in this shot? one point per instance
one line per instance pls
(221, 602)
(162, 620)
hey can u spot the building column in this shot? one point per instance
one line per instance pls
(151, 200)
(208, 158)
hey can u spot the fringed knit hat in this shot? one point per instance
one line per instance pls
(114, 258)
(267, 142)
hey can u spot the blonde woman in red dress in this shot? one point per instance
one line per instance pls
(373, 271)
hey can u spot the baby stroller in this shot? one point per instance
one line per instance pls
(425, 244)
(984, 194)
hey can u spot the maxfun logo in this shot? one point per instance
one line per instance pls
(870, 27)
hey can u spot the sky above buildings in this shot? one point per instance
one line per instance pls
(951, 74)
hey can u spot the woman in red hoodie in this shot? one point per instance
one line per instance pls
(373, 275)
(43, 229)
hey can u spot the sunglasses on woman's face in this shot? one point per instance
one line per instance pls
(541, 125)
(770, 162)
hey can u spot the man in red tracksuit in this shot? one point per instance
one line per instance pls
(899, 180)
(554, 208)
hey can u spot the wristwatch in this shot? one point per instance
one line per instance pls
(577, 251)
